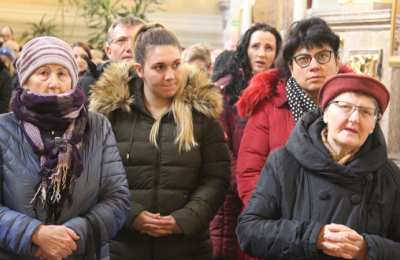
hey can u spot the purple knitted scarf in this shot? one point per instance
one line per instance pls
(60, 158)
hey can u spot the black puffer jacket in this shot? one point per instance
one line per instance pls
(190, 186)
(302, 188)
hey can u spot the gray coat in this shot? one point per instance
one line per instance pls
(100, 193)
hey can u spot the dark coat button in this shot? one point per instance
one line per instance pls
(355, 199)
(324, 195)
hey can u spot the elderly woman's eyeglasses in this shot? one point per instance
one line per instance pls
(322, 57)
(349, 108)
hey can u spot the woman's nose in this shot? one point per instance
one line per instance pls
(170, 74)
(53, 80)
(354, 115)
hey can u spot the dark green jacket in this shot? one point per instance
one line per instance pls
(189, 185)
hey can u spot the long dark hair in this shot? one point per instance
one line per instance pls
(240, 67)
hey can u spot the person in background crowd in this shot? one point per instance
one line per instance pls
(7, 56)
(4, 82)
(63, 188)
(198, 55)
(118, 48)
(276, 99)
(13, 46)
(331, 192)
(255, 53)
(98, 56)
(7, 33)
(12, 83)
(83, 57)
(7, 73)
(214, 54)
(165, 118)
(120, 37)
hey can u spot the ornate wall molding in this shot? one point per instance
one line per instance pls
(356, 21)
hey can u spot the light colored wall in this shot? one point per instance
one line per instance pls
(193, 21)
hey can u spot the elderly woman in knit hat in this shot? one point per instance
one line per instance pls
(63, 189)
(331, 192)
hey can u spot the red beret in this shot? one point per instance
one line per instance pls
(350, 82)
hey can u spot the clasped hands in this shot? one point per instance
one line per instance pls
(341, 241)
(153, 224)
(55, 242)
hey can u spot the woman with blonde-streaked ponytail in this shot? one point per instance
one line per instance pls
(165, 118)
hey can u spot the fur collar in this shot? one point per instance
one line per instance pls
(111, 91)
(264, 86)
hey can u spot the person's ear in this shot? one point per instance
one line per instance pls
(290, 66)
(138, 69)
(337, 60)
(107, 50)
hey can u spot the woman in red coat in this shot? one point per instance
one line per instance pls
(256, 52)
(277, 98)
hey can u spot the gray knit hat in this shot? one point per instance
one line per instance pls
(46, 50)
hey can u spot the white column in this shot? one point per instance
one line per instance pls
(299, 9)
(247, 15)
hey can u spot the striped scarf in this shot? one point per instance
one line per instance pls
(60, 158)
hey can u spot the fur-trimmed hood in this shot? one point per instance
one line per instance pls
(264, 86)
(111, 91)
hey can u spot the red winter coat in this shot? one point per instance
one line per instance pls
(268, 127)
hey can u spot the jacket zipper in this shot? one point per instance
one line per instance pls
(157, 167)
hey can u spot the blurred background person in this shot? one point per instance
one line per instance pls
(7, 33)
(7, 56)
(98, 56)
(120, 37)
(83, 57)
(12, 45)
(276, 99)
(198, 55)
(256, 52)
(333, 169)
(63, 188)
(118, 47)
(7, 74)
(165, 117)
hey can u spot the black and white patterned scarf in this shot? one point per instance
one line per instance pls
(299, 101)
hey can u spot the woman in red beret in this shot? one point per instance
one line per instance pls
(331, 192)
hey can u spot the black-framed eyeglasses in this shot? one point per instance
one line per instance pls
(348, 108)
(322, 57)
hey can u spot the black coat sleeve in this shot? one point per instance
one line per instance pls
(262, 231)
(387, 248)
